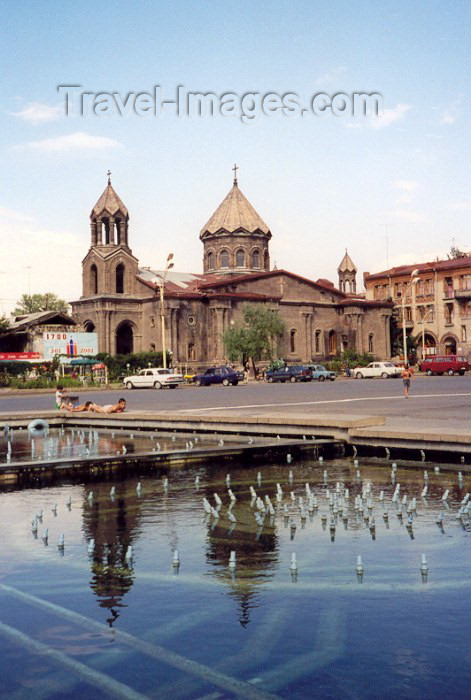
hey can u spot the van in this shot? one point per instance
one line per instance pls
(441, 364)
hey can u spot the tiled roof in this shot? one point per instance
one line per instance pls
(347, 264)
(235, 213)
(405, 270)
(109, 203)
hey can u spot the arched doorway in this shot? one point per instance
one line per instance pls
(450, 345)
(124, 338)
(89, 326)
(430, 345)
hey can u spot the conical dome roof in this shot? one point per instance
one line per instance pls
(109, 203)
(235, 213)
(347, 264)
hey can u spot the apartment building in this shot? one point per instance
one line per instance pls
(437, 307)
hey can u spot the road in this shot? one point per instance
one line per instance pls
(432, 399)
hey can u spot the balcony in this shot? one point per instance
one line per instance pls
(448, 293)
(463, 294)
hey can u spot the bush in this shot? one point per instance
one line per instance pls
(349, 358)
(117, 364)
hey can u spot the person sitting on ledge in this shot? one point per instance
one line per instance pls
(119, 407)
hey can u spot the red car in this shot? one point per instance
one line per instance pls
(441, 364)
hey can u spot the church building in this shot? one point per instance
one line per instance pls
(121, 300)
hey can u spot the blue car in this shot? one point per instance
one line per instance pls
(292, 373)
(320, 373)
(218, 375)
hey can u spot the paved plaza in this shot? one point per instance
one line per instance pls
(435, 403)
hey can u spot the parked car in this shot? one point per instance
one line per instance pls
(154, 377)
(441, 364)
(291, 373)
(218, 375)
(320, 373)
(377, 369)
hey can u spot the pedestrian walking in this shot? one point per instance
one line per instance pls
(407, 374)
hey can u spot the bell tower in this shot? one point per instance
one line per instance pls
(347, 275)
(109, 266)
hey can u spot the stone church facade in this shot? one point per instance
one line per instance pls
(121, 300)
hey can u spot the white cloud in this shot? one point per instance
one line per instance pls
(389, 116)
(29, 263)
(39, 113)
(447, 118)
(406, 185)
(330, 75)
(407, 215)
(78, 141)
(451, 114)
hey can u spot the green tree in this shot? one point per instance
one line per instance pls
(455, 253)
(256, 338)
(32, 303)
(4, 323)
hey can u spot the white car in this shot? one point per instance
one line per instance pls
(154, 377)
(377, 369)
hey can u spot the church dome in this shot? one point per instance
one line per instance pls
(236, 237)
(109, 203)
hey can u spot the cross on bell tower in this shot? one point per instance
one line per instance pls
(235, 169)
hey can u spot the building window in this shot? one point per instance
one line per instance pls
(370, 343)
(152, 347)
(191, 351)
(265, 260)
(332, 343)
(240, 258)
(94, 279)
(224, 258)
(210, 261)
(463, 334)
(292, 341)
(191, 321)
(256, 258)
(120, 279)
(89, 327)
(448, 314)
(317, 342)
(408, 314)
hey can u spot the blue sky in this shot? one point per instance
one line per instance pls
(321, 183)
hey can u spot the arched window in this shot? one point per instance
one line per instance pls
(89, 326)
(317, 342)
(106, 223)
(265, 260)
(224, 258)
(240, 258)
(332, 343)
(256, 258)
(292, 340)
(191, 351)
(370, 343)
(210, 261)
(94, 279)
(120, 278)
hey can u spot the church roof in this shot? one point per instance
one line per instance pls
(347, 264)
(235, 213)
(109, 202)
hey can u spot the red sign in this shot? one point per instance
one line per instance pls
(20, 356)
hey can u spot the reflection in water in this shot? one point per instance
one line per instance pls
(113, 524)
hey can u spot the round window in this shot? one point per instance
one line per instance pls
(191, 321)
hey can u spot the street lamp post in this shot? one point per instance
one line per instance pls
(161, 284)
(413, 281)
(430, 311)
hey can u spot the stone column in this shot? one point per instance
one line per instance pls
(99, 232)
(93, 228)
(111, 230)
(122, 233)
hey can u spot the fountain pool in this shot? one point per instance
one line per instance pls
(91, 617)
